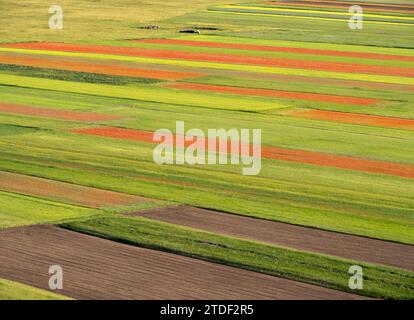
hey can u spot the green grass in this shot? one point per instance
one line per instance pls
(66, 75)
(156, 94)
(301, 44)
(10, 290)
(380, 282)
(219, 66)
(12, 130)
(302, 86)
(94, 20)
(124, 19)
(267, 27)
(373, 205)
(370, 142)
(258, 53)
(375, 11)
(392, 103)
(19, 210)
(333, 203)
(312, 14)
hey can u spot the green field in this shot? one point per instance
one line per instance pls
(15, 291)
(291, 51)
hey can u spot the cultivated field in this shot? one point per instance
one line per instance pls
(127, 272)
(272, 232)
(78, 112)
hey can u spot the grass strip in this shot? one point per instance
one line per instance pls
(20, 210)
(10, 290)
(67, 75)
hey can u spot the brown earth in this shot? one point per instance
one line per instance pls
(222, 58)
(65, 192)
(95, 268)
(301, 238)
(53, 113)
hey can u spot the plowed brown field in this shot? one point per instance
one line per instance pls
(95, 268)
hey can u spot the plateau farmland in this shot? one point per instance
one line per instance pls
(335, 106)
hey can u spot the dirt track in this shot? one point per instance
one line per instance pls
(96, 268)
(308, 239)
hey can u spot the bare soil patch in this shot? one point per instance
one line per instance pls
(97, 268)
